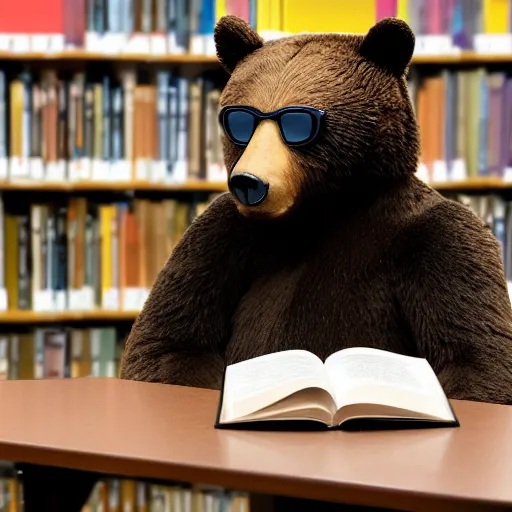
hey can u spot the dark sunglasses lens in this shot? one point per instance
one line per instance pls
(297, 127)
(241, 125)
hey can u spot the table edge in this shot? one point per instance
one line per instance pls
(353, 493)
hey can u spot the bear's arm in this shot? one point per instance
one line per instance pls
(454, 296)
(179, 336)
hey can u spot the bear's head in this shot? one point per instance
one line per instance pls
(341, 113)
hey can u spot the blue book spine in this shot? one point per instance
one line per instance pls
(499, 224)
(450, 118)
(253, 16)
(207, 17)
(483, 127)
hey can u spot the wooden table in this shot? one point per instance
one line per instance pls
(140, 430)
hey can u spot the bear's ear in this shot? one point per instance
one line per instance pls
(234, 40)
(390, 45)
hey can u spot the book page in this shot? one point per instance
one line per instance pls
(257, 383)
(371, 376)
(308, 404)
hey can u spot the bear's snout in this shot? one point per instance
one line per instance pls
(248, 189)
(263, 181)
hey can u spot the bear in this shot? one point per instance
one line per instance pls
(326, 238)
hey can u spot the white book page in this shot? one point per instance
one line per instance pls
(257, 383)
(371, 376)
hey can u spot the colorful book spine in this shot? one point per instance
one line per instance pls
(160, 27)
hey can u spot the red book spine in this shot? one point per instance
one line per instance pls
(31, 16)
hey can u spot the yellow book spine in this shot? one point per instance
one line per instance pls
(496, 16)
(401, 10)
(220, 9)
(276, 22)
(76, 353)
(14, 495)
(329, 16)
(129, 495)
(11, 260)
(27, 362)
(16, 117)
(263, 15)
(85, 364)
(106, 219)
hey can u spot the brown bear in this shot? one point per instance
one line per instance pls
(326, 238)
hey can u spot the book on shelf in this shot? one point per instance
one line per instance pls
(123, 494)
(361, 387)
(84, 254)
(178, 27)
(61, 352)
(469, 135)
(96, 125)
(496, 212)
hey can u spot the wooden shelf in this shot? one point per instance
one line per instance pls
(482, 183)
(82, 55)
(473, 184)
(462, 58)
(190, 186)
(32, 317)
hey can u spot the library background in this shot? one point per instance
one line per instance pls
(110, 146)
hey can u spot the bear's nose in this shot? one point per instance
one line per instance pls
(248, 189)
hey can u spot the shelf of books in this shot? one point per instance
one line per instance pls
(184, 29)
(108, 121)
(122, 495)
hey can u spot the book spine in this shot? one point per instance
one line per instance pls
(24, 284)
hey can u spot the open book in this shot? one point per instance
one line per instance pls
(383, 389)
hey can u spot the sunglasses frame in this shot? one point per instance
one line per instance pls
(316, 114)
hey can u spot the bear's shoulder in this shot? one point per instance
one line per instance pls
(219, 229)
(220, 215)
(223, 203)
(451, 219)
(449, 235)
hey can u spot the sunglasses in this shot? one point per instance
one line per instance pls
(298, 125)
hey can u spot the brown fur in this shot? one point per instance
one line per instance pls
(367, 256)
